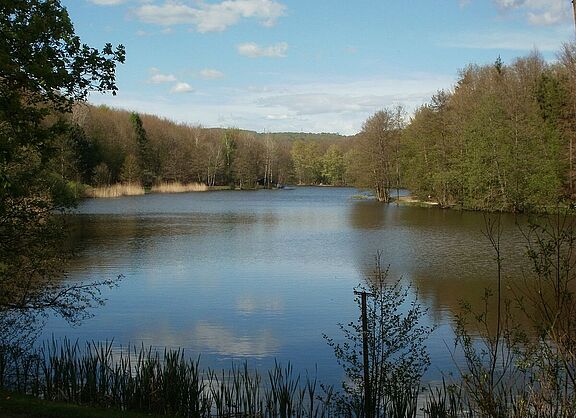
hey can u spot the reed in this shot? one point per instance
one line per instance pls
(177, 187)
(447, 401)
(115, 190)
(149, 381)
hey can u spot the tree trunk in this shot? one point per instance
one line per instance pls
(574, 7)
(382, 194)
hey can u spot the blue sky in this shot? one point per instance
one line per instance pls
(306, 65)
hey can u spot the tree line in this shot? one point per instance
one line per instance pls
(502, 138)
(109, 146)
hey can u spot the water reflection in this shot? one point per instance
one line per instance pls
(264, 274)
(223, 341)
(249, 305)
(367, 214)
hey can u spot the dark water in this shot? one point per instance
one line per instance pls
(262, 275)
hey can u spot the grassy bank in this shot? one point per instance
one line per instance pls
(17, 406)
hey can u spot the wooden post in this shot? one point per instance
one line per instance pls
(367, 387)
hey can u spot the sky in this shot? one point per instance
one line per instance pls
(306, 65)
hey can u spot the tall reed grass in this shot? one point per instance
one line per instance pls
(150, 381)
(177, 187)
(115, 190)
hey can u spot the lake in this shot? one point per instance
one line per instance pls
(262, 275)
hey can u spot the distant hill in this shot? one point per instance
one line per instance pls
(291, 136)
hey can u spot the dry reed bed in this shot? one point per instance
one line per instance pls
(177, 187)
(116, 190)
(132, 189)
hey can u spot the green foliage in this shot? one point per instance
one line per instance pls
(130, 172)
(102, 175)
(229, 144)
(431, 155)
(334, 166)
(145, 163)
(376, 162)
(167, 383)
(141, 137)
(499, 141)
(396, 350)
(519, 346)
(19, 405)
(245, 169)
(307, 160)
(44, 70)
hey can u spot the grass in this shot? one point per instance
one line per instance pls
(149, 381)
(177, 187)
(17, 405)
(115, 190)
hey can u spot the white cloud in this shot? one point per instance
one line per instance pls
(321, 102)
(211, 17)
(216, 338)
(107, 2)
(253, 50)
(221, 340)
(545, 19)
(314, 106)
(508, 4)
(517, 41)
(161, 78)
(278, 117)
(539, 12)
(210, 74)
(181, 87)
(158, 77)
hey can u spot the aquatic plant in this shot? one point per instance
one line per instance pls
(161, 382)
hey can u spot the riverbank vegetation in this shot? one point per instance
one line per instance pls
(168, 383)
(115, 190)
(177, 187)
(501, 139)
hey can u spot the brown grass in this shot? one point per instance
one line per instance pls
(115, 190)
(178, 187)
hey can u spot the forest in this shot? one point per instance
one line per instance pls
(502, 138)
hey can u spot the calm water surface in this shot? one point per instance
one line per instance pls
(262, 275)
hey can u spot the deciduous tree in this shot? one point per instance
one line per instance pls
(44, 70)
(377, 154)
